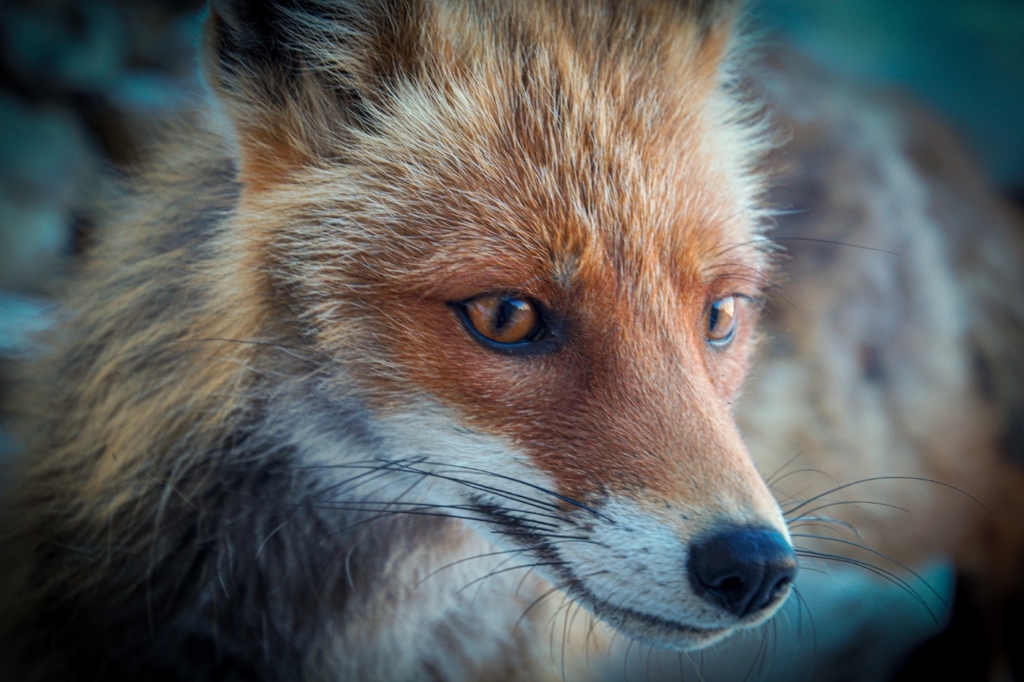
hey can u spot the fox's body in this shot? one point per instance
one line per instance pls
(269, 440)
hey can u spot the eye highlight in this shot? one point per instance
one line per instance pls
(506, 323)
(720, 321)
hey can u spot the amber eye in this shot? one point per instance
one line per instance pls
(720, 321)
(503, 320)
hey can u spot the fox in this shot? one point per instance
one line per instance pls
(426, 282)
(424, 333)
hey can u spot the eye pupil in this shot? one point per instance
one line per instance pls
(713, 317)
(721, 321)
(505, 313)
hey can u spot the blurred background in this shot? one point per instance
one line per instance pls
(82, 82)
(963, 58)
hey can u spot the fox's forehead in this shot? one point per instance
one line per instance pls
(526, 141)
(535, 158)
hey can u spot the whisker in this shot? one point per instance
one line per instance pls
(625, 659)
(528, 533)
(586, 642)
(563, 498)
(769, 481)
(483, 487)
(805, 567)
(392, 512)
(826, 523)
(887, 478)
(360, 480)
(363, 529)
(375, 469)
(457, 507)
(878, 554)
(499, 571)
(839, 503)
(554, 589)
(881, 572)
(805, 471)
(835, 243)
(801, 605)
(567, 605)
(474, 558)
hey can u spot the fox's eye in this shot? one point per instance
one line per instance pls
(720, 321)
(504, 320)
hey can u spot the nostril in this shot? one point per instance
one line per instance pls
(743, 570)
(732, 584)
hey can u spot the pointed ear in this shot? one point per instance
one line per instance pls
(294, 75)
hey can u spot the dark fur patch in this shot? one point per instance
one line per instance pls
(264, 59)
(261, 33)
(233, 577)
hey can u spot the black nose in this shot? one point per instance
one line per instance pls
(742, 570)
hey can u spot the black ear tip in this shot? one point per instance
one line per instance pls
(247, 33)
(242, 16)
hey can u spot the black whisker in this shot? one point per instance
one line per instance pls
(887, 478)
(827, 523)
(839, 503)
(805, 567)
(835, 243)
(473, 558)
(482, 487)
(878, 554)
(769, 481)
(562, 585)
(552, 493)
(804, 471)
(458, 507)
(380, 467)
(881, 572)
(800, 606)
(498, 571)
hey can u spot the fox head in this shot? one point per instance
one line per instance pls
(524, 238)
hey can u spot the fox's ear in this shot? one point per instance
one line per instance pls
(293, 76)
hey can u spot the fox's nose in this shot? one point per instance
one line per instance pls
(743, 570)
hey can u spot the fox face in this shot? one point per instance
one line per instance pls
(524, 238)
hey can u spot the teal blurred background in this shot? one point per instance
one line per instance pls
(964, 58)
